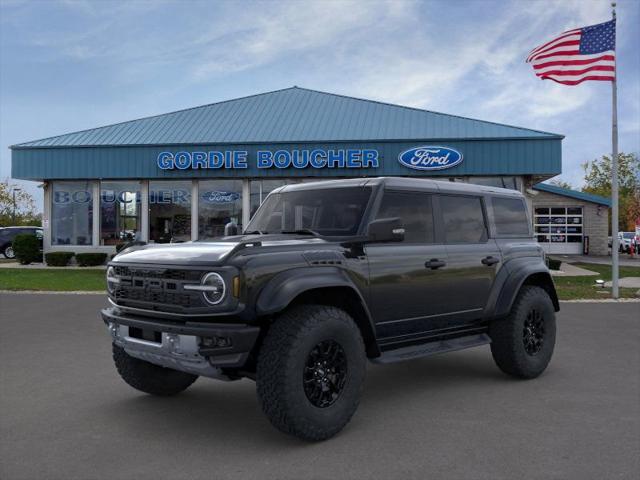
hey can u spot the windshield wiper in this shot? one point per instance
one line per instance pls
(255, 232)
(301, 231)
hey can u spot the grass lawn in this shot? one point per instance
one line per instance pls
(571, 288)
(52, 280)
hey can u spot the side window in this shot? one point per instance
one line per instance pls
(510, 216)
(463, 219)
(414, 209)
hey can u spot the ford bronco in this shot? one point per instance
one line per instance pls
(325, 276)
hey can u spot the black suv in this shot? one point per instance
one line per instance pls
(326, 276)
(7, 234)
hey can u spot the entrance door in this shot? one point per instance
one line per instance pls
(406, 287)
(559, 229)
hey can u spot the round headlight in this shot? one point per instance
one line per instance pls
(214, 288)
(112, 280)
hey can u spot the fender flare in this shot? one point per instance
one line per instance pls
(519, 271)
(284, 287)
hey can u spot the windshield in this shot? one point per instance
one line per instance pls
(628, 234)
(327, 212)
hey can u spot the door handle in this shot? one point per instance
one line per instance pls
(434, 263)
(488, 261)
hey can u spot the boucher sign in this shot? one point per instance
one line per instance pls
(266, 159)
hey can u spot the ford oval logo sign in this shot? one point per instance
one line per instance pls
(220, 197)
(430, 158)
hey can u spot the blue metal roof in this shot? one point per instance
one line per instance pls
(565, 192)
(291, 115)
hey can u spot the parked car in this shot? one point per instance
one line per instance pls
(625, 241)
(7, 234)
(327, 276)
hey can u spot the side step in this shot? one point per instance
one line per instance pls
(431, 348)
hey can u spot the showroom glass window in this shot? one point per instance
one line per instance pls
(119, 212)
(169, 211)
(71, 213)
(219, 202)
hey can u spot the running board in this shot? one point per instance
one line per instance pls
(432, 348)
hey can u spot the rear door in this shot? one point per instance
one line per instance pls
(473, 257)
(405, 291)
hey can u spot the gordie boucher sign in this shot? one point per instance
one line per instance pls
(417, 158)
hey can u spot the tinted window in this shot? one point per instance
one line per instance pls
(463, 219)
(510, 216)
(414, 209)
(329, 211)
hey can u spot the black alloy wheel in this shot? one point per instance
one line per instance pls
(325, 373)
(533, 332)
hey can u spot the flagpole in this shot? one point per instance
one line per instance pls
(614, 177)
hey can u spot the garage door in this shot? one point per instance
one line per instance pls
(559, 229)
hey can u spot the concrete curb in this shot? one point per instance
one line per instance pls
(602, 300)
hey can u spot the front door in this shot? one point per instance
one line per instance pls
(406, 287)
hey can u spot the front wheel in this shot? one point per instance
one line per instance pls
(522, 343)
(150, 378)
(311, 371)
(8, 252)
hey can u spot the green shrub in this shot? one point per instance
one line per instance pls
(27, 248)
(90, 259)
(58, 259)
(553, 263)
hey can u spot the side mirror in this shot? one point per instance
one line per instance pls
(385, 230)
(230, 229)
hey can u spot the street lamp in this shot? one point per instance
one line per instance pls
(14, 203)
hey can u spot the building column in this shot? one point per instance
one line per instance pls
(144, 210)
(194, 210)
(46, 216)
(246, 203)
(96, 214)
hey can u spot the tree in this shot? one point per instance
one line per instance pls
(558, 182)
(25, 207)
(597, 180)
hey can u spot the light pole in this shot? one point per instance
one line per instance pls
(14, 203)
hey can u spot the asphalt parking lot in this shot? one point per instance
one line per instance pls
(65, 414)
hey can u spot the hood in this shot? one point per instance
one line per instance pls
(207, 253)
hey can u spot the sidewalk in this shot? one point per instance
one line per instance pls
(624, 259)
(568, 270)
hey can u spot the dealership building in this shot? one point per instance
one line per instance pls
(184, 175)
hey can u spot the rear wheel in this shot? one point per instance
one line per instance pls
(522, 344)
(150, 378)
(311, 371)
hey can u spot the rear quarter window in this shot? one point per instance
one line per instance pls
(510, 217)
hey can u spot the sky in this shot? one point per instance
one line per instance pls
(72, 65)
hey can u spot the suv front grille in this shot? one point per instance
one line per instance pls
(158, 289)
(141, 295)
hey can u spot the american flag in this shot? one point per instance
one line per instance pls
(587, 53)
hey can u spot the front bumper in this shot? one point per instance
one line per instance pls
(193, 347)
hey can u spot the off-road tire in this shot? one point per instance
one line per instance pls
(507, 335)
(150, 378)
(281, 366)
